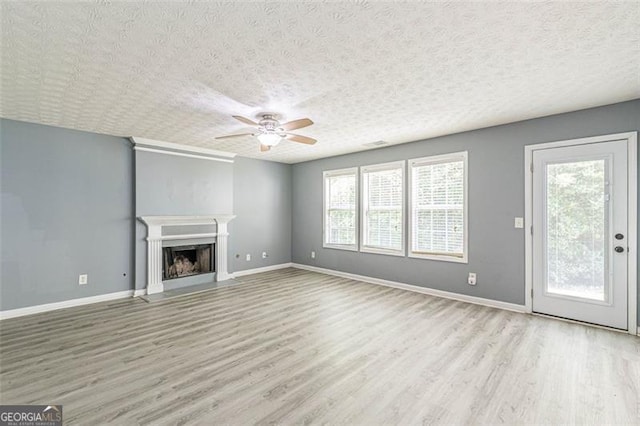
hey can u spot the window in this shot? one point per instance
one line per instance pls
(340, 209)
(438, 205)
(383, 208)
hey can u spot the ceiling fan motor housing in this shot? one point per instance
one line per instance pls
(269, 124)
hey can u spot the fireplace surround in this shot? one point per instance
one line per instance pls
(156, 239)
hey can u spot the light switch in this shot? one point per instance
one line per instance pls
(518, 222)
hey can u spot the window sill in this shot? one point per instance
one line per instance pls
(388, 252)
(339, 247)
(441, 258)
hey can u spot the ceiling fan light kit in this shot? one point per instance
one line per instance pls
(270, 132)
(269, 139)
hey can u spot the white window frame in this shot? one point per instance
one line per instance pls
(365, 248)
(435, 159)
(332, 173)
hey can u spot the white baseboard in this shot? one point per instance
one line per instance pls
(263, 269)
(30, 310)
(424, 290)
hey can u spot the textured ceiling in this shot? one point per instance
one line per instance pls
(363, 71)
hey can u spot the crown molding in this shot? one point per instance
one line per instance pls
(169, 148)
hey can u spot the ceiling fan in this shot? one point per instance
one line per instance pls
(270, 132)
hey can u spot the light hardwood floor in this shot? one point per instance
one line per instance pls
(294, 347)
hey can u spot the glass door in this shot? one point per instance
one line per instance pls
(579, 224)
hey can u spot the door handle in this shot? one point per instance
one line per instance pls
(619, 249)
(619, 236)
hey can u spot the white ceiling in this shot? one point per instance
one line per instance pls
(363, 71)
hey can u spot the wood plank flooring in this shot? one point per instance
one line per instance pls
(296, 347)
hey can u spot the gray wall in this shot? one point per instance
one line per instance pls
(257, 192)
(262, 202)
(496, 196)
(70, 201)
(67, 209)
(173, 185)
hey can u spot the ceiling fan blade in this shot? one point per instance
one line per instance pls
(296, 124)
(264, 148)
(299, 138)
(235, 136)
(245, 120)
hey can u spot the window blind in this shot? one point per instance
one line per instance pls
(340, 205)
(438, 211)
(383, 207)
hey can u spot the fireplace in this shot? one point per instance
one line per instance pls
(160, 261)
(185, 261)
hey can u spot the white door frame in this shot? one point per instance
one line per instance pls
(632, 241)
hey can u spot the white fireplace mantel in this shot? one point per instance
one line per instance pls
(154, 244)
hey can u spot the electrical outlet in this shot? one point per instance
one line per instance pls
(472, 278)
(264, 255)
(248, 257)
(83, 279)
(518, 222)
(313, 254)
